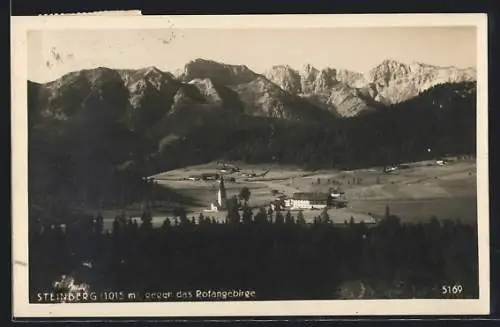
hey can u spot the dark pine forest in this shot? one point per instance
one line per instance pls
(274, 254)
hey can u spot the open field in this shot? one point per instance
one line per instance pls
(415, 193)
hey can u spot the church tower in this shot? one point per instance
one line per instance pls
(221, 194)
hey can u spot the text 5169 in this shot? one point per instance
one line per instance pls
(452, 289)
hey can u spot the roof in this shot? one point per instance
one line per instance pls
(310, 196)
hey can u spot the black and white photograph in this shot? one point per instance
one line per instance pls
(250, 162)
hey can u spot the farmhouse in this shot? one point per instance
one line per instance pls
(390, 169)
(337, 194)
(304, 200)
(441, 162)
(338, 199)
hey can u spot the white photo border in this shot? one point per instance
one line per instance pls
(23, 309)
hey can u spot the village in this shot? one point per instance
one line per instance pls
(415, 189)
(297, 201)
(308, 203)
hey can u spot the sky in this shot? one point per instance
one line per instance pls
(53, 53)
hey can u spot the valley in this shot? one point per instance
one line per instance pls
(414, 193)
(94, 133)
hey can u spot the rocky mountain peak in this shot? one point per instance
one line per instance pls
(285, 77)
(388, 70)
(308, 68)
(391, 64)
(351, 78)
(396, 82)
(207, 89)
(218, 72)
(155, 72)
(417, 65)
(308, 76)
(151, 69)
(325, 80)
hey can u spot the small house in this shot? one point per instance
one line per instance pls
(210, 176)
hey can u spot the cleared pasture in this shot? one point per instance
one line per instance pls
(415, 193)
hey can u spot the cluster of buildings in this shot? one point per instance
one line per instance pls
(311, 201)
(298, 201)
(204, 177)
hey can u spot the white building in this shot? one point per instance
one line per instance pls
(308, 201)
(337, 194)
(441, 162)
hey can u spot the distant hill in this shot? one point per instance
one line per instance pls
(94, 132)
(441, 118)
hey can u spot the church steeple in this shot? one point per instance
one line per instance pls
(221, 194)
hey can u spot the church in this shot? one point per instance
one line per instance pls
(220, 203)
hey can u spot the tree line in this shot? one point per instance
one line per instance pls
(279, 258)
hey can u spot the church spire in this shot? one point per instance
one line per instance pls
(221, 194)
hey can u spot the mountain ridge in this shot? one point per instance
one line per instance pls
(280, 91)
(388, 83)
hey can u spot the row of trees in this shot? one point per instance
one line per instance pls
(277, 260)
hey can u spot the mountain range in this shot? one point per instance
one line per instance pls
(348, 93)
(281, 92)
(102, 122)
